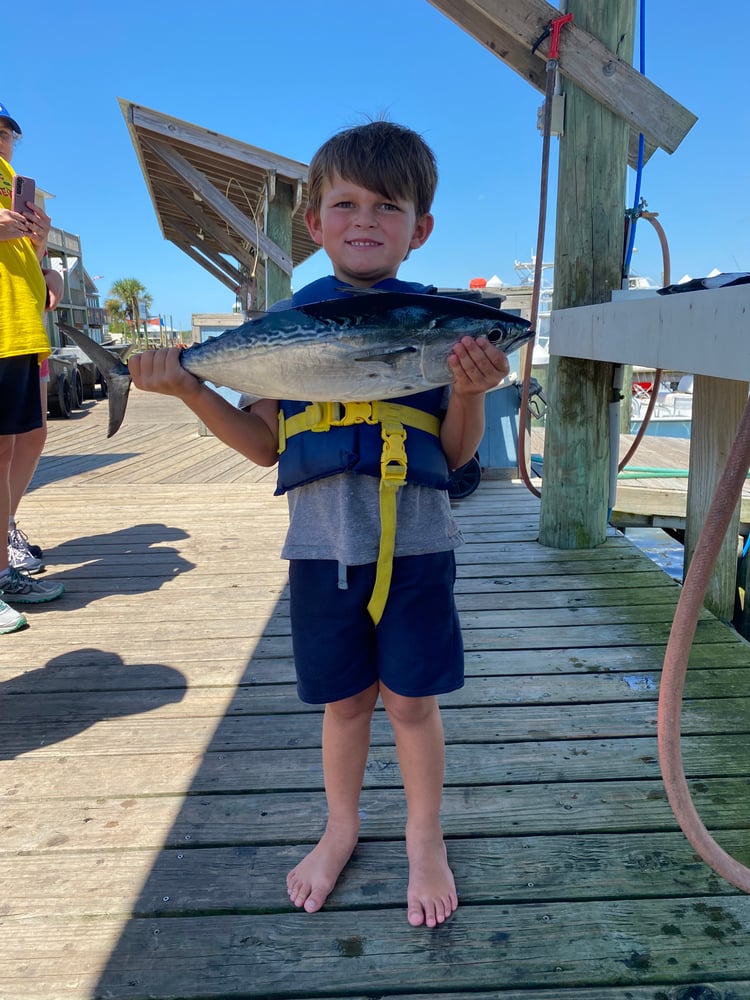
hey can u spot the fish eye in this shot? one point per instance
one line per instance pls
(495, 335)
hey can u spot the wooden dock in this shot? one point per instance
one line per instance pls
(159, 776)
(652, 490)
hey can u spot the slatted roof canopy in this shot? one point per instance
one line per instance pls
(210, 192)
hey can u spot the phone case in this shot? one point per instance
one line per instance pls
(24, 189)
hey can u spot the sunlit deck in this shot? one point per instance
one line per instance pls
(159, 776)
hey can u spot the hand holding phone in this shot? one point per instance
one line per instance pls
(24, 189)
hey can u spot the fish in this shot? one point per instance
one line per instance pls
(351, 349)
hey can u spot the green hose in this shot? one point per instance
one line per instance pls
(648, 472)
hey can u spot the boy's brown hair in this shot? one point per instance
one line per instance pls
(380, 156)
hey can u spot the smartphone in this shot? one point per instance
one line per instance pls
(24, 189)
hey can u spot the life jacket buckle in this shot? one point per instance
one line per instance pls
(393, 461)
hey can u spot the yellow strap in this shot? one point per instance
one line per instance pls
(393, 464)
(392, 417)
(319, 417)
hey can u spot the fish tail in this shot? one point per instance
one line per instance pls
(114, 372)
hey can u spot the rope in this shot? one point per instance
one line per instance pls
(554, 27)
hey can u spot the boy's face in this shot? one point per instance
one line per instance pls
(365, 235)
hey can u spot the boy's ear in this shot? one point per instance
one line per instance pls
(312, 221)
(422, 229)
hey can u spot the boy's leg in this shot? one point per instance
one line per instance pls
(418, 728)
(346, 741)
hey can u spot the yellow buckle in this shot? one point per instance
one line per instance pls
(355, 413)
(393, 455)
(323, 416)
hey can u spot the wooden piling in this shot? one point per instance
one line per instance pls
(279, 229)
(588, 267)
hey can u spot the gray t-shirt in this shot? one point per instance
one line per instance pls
(339, 518)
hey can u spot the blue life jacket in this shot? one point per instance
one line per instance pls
(358, 447)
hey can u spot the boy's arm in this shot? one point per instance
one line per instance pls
(477, 366)
(254, 435)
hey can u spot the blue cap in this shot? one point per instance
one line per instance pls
(4, 113)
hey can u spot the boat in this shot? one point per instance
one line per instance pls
(673, 410)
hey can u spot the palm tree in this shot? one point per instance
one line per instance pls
(115, 315)
(130, 293)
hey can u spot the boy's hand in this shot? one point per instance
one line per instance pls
(161, 371)
(477, 366)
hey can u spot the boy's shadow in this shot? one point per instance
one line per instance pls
(74, 691)
(129, 560)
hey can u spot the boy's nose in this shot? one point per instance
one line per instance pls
(365, 219)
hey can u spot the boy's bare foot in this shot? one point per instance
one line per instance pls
(310, 883)
(431, 896)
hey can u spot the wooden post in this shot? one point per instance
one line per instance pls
(717, 408)
(588, 267)
(279, 230)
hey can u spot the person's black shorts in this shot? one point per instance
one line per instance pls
(20, 401)
(416, 649)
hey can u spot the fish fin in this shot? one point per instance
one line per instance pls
(114, 372)
(385, 357)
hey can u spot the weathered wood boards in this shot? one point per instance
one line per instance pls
(158, 775)
(510, 28)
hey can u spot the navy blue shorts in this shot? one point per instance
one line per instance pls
(20, 402)
(416, 649)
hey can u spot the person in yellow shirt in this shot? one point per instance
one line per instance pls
(23, 346)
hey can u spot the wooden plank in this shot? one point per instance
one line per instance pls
(464, 724)
(510, 28)
(193, 135)
(223, 207)
(126, 774)
(718, 406)
(700, 332)
(196, 821)
(501, 869)
(497, 946)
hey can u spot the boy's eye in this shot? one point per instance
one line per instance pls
(390, 207)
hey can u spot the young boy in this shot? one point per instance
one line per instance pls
(370, 193)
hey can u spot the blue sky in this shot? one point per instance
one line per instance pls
(286, 74)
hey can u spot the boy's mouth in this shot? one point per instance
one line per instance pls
(364, 243)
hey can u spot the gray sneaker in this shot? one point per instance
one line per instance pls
(21, 589)
(10, 620)
(22, 554)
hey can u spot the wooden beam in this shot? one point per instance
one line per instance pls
(193, 135)
(509, 29)
(702, 332)
(211, 268)
(221, 263)
(220, 203)
(193, 210)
